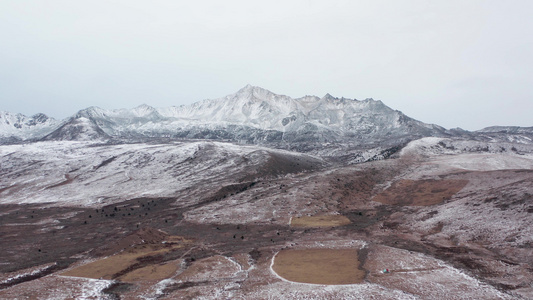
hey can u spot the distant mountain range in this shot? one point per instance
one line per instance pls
(252, 115)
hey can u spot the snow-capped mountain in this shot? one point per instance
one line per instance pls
(16, 127)
(252, 115)
(507, 129)
(323, 119)
(78, 129)
(256, 115)
(262, 109)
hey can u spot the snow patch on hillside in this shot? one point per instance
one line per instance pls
(470, 155)
(81, 173)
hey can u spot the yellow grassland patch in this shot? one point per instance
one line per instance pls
(320, 221)
(152, 272)
(319, 266)
(109, 267)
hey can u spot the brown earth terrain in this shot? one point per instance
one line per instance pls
(319, 266)
(135, 259)
(420, 192)
(320, 221)
(449, 233)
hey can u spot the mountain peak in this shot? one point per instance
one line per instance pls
(77, 129)
(144, 106)
(40, 117)
(253, 94)
(250, 90)
(143, 110)
(252, 113)
(21, 126)
(328, 96)
(90, 112)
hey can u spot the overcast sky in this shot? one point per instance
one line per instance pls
(461, 63)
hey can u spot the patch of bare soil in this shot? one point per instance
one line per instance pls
(156, 272)
(320, 221)
(319, 266)
(420, 192)
(131, 263)
(138, 237)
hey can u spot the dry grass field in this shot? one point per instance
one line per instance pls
(319, 266)
(156, 272)
(320, 221)
(119, 265)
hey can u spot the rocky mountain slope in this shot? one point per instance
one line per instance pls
(18, 127)
(330, 127)
(251, 115)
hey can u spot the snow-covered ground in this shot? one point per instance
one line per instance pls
(59, 288)
(468, 155)
(80, 173)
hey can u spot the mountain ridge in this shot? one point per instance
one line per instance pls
(258, 116)
(252, 115)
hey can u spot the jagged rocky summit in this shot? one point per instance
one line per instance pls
(252, 115)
